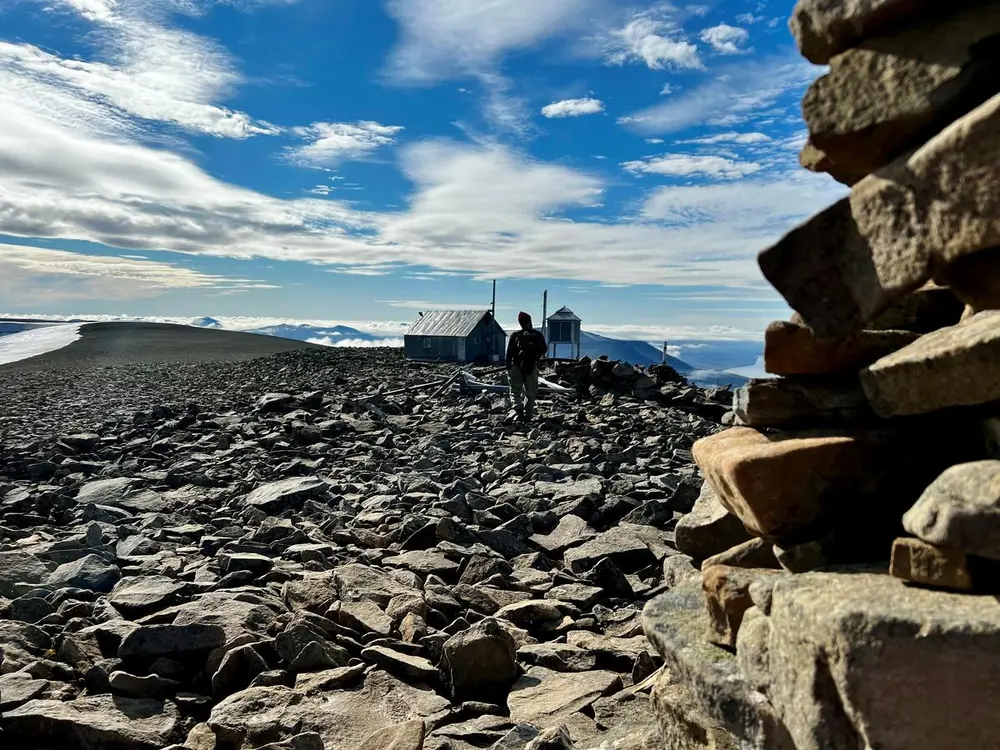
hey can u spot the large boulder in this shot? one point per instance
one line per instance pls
(479, 663)
(92, 722)
(846, 659)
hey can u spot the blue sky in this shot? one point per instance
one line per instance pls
(361, 160)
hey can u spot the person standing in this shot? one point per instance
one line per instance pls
(525, 350)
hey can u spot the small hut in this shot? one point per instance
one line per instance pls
(563, 334)
(455, 336)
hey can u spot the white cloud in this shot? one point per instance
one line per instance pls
(393, 343)
(737, 94)
(726, 39)
(94, 10)
(749, 18)
(764, 206)
(449, 38)
(573, 108)
(32, 274)
(416, 304)
(149, 71)
(483, 210)
(744, 139)
(667, 89)
(654, 141)
(653, 42)
(686, 165)
(330, 143)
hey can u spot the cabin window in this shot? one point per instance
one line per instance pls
(427, 342)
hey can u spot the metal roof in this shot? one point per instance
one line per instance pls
(457, 323)
(564, 313)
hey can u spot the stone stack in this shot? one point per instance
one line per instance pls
(848, 530)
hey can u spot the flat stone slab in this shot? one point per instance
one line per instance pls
(99, 721)
(793, 349)
(806, 401)
(782, 485)
(860, 660)
(955, 366)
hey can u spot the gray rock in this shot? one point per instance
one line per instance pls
(92, 572)
(134, 686)
(105, 491)
(98, 721)
(709, 528)
(173, 641)
(676, 624)
(802, 401)
(961, 510)
(570, 532)
(276, 497)
(364, 616)
(237, 670)
(343, 718)
(414, 668)
(517, 738)
(623, 548)
(355, 581)
(142, 595)
(408, 735)
(18, 568)
(543, 697)
(845, 659)
(479, 663)
(17, 688)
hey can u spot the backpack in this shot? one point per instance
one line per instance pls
(528, 349)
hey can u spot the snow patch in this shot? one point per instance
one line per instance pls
(33, 342)
(756, 371)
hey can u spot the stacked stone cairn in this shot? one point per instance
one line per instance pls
(848, 529)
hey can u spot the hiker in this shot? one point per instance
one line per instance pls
(525, 350)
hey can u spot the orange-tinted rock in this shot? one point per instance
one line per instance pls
(753, 553)
(917, 561)
(727, 597)
(782, 486)
(791, 349)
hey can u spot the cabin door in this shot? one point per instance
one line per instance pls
(461, 350)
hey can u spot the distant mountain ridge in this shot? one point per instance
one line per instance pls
(591, 345)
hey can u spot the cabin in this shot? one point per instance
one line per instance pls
(562, 331)
(455, 336)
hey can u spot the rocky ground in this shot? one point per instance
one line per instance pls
(251, 554)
